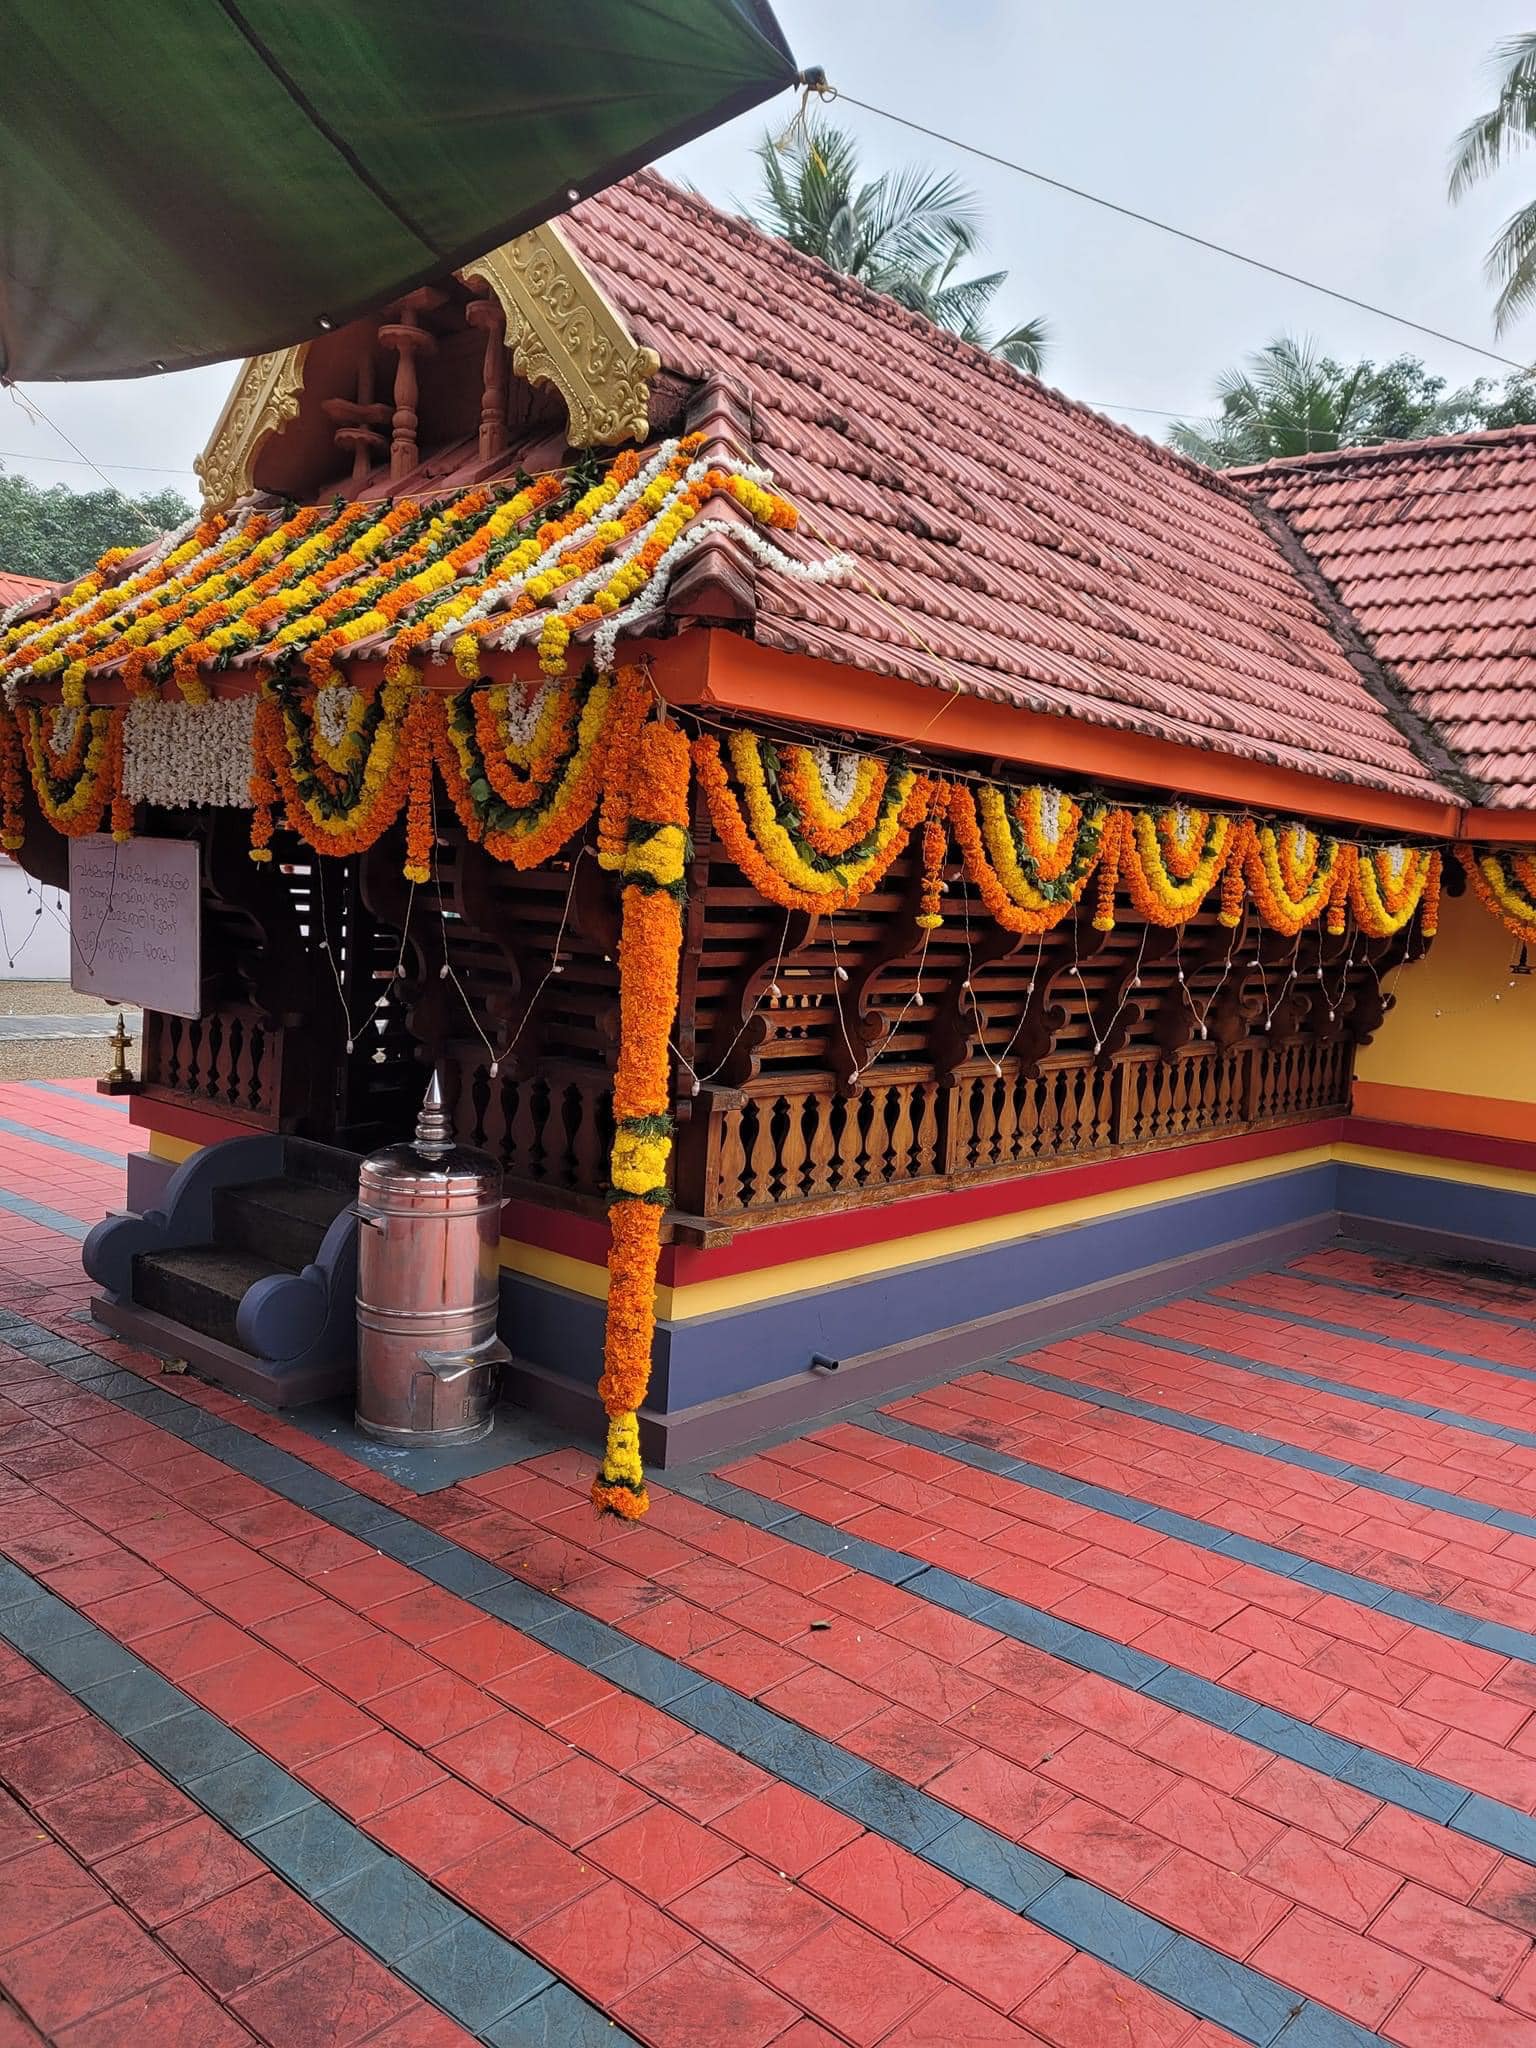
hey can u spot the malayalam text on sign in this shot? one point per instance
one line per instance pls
(134, 928)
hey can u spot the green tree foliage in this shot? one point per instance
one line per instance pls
(58, 533)
(1289, 400)
(1508, 126)
(904, 234)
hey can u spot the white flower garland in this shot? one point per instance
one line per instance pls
(605, 640)
(180, 755)
(522, 713)
(61, 738)
(510, 587)
(333, 712)
(117, 621)
(839, 775)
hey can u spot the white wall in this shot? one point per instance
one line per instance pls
(39, 946)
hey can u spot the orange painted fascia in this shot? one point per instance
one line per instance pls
(710, 667)
(1509, 828)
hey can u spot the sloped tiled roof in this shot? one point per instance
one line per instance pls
(14, 589)
(1011, 541)
(1432, 546)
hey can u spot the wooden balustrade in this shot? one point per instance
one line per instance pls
(228, 1063)
(795, 1143)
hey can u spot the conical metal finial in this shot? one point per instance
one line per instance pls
(434, 1133)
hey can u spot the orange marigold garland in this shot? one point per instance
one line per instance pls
(763, 832)
(12, 818)
(1503, 879)
(935, 846)
(73, 800)
(1031, 863)
(650, 952)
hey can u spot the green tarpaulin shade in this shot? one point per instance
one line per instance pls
(182, 181)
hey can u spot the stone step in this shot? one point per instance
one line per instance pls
(201, 1288)
(282, 1219)
(321, 1166)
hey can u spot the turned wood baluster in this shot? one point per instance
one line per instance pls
(489, 315)
(409, 339)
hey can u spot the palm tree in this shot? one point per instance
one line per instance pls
(1509, 125)
(1288, 401)
(903, 234)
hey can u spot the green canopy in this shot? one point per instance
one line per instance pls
(182, 181)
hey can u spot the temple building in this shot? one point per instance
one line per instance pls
(888, 860)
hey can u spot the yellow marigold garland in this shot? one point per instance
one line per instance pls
(1387, 884)
(650, 952)
(1173, 858)
(1503, 879)
(763, 833)
(12, 818)
(997, 840)
(73, 801)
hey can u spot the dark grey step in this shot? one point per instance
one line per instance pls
(322, 1166)
(284, 1220)
(201, 1288)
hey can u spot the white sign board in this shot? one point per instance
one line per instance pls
(134, 927)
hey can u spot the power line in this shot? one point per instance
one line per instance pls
(32, 409)
(1181, 234)
(83, 462)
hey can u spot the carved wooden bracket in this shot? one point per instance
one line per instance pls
(561, 329)
(264, 400)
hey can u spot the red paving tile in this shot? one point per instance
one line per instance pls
(475, 1753)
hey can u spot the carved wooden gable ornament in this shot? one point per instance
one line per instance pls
(562, 330)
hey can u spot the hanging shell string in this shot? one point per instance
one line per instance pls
(769, 992)
(380, 1003)
(447, 971)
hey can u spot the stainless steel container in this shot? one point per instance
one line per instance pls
(428, 1358)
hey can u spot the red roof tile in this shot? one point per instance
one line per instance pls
(14, 589)
(1009, 542)
(1432, 546)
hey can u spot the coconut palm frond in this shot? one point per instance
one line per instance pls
(1512, 259)
(1507, 126)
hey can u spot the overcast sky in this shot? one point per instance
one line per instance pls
(1315, 136)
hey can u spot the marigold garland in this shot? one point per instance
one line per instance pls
(1002, 845)
(1503, 879)
(1292, 873)
(74, 799)
(12, 817)
(1387, 884)
(1172, 859)
(650, 953)
(763, 830)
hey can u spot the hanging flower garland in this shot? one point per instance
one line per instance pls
(1173, 858)
(525, 769)
(1387, 884)
(1503, 879)
(1293, 874)
(767, 834)
(338, 800)
(650, 952)
(1031, 853)
(75, 793)
(12, 818)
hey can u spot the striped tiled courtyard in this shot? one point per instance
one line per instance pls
(1168, 1686)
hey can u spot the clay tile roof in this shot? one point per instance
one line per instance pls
(1432, 547)
(17, 589)
(1008, 541)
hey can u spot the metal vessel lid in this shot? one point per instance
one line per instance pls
(434, 1133)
